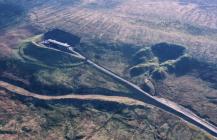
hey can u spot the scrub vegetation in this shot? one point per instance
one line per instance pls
(10, 14)
(166, 47)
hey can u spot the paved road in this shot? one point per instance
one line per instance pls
(161, 103)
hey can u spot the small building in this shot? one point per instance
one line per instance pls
(57, 45)
(51, 41)
(62, 36)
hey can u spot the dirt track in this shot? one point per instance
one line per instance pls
(23, 92)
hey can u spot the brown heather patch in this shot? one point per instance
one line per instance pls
(11, 38)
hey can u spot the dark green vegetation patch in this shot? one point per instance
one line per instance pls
(30, 52)
(62, 36)
(43, 70)
(165, 51)
(161, 59)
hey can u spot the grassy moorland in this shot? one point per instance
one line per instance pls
(138, 22)
(10, 14)
(25, 118)
(173, 47)
(51, 72)
(60, 74)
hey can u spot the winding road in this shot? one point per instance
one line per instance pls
(23, 92)
(161, 103)
(138, 94)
